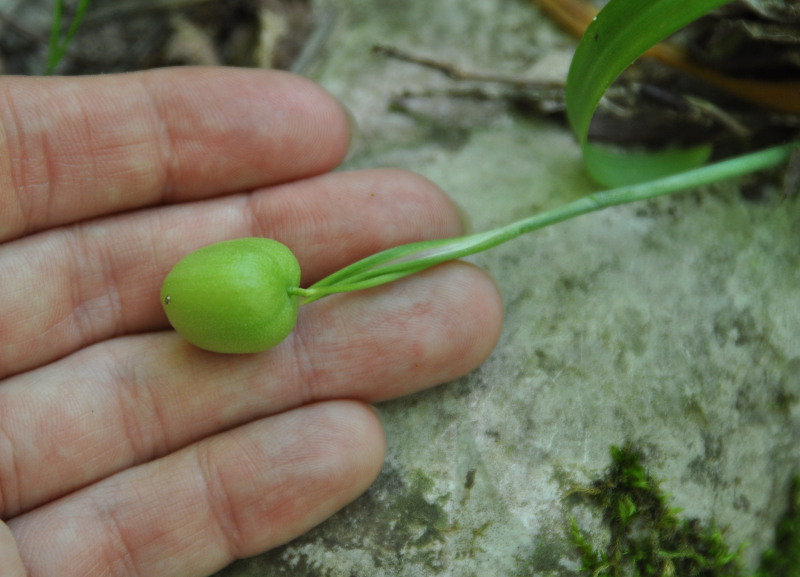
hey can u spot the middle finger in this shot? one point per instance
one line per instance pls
(72, 287)
(133, 399)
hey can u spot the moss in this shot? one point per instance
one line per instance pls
(417, 522)
(647, 538)
(783, 559)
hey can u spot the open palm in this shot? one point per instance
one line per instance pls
(123, 449)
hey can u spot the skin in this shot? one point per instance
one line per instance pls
(123, 448)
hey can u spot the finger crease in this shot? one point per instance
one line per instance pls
(163, 139)
(219, 503)
(115, 547)
(20, 169)
(144, 424)
(308, 376)
(10, 475)
(252, 213)
(96, 296)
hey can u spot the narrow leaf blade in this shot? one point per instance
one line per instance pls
(619, 35)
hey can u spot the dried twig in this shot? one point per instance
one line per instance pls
(544, 95)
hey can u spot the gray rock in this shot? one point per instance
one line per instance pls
(672, 324)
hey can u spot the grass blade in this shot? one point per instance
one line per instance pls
(57, 45)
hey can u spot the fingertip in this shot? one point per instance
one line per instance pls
(470, 317)
(482, 311)
(280, 125)
(362, 436)
(398, 338)
(443, 216)
(345, 434)
(323, 124)
(329, 454)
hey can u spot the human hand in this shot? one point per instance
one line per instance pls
(123, 449)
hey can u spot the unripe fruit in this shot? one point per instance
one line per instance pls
(235, 296)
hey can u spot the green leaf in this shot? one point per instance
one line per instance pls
(616, 167)
(621, 33)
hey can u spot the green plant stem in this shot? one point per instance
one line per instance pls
(404, 260)
(58, 45)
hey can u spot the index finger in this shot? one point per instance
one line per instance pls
(75, 148)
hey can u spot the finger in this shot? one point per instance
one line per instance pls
(77, 148)
(10, 561)
(133, 399)
(69, 288)
(228, 497)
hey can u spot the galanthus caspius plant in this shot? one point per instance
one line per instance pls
(242, 296)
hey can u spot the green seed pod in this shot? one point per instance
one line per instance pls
(235, 296)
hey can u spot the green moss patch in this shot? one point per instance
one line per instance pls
(647, 538)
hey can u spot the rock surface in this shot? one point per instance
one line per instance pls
(671, 324)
